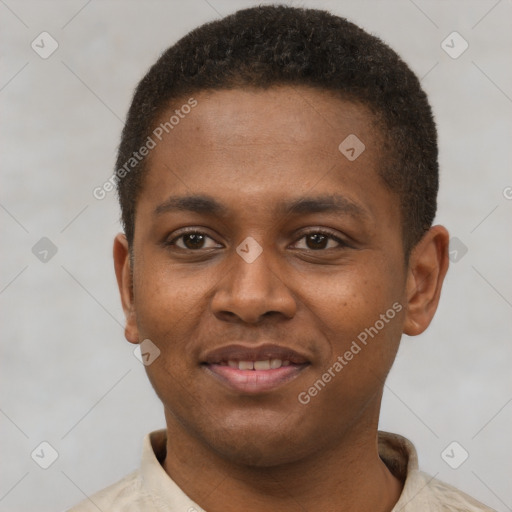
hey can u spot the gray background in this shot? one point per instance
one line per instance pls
(68, 377)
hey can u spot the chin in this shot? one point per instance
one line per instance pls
(267, 446)
(257, 456)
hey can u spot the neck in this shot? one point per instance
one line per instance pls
(349, 476)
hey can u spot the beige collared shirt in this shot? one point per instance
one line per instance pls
(150, 489)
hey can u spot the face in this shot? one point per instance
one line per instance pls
(268, 269)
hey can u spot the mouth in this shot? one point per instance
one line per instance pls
(254, 370)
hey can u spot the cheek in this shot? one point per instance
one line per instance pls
(361, 316)
(168, 301)
(361, 322)
(349, 301)
(169, 306)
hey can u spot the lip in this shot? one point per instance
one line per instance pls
(239, 352)
(253, 381)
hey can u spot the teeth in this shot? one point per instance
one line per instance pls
(267, 364)
(262, 365)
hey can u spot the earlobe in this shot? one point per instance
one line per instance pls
(122, 264)
(428, 265)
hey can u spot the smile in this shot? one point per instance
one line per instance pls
(245, 377)
(266, 364)
(254, 370)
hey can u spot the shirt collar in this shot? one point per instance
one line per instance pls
(156, 482)
(396, 451)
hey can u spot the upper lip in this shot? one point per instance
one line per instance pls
(240, 352)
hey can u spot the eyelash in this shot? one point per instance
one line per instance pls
(317, 231)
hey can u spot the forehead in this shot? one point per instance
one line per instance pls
(258, 146)
(282, 116)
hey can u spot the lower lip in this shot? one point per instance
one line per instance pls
(255, 381)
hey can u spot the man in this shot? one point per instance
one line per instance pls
(277, 176)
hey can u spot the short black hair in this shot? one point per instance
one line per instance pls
(273, 45)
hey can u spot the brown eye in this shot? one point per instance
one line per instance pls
(318, 240)
(193, 241)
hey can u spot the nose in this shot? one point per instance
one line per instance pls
(252, 291)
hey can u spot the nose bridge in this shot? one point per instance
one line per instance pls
(251, 286)
(252, 269)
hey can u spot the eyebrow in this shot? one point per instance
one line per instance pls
(195, 203)
(207, 205)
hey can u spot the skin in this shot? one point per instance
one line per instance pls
(251, 150)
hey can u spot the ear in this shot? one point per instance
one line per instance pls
(428, 264)
(124, 282)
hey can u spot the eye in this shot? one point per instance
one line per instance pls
(314, 241)
(193, 240)
(319, 239)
